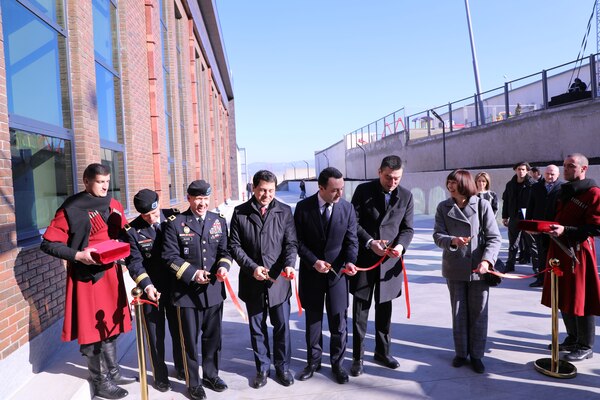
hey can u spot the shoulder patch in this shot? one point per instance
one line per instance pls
(171, 218)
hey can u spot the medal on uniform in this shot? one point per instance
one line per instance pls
(186, 229)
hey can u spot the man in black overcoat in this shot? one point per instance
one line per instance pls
(542, 206)
(262, 241)
(384, 212)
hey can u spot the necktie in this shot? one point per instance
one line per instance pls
(325, 215)
(387, 196)
(549, 187)
(263, 211)
(156, 226)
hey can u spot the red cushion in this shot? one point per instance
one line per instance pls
(533, 225)
(110, 251)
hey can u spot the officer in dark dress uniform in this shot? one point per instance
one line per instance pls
(195, 250)
(148, 270)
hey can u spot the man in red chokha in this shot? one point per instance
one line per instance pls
(96, 305)
(578, 221)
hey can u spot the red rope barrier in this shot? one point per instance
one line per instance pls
(233, 297)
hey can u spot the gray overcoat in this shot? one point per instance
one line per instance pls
(451, 221)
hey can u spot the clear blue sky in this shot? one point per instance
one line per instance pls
(306, 72)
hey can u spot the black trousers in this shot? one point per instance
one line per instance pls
(581, 330)
(383, 318)
(259, 335)
(514, 235)
(154, 323)
(338, 329)
(206, 323)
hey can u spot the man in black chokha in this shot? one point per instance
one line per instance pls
(195, 250)
(148, 270)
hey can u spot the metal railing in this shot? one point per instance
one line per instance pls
(523, 95)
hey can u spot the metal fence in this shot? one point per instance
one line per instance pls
(527, 94)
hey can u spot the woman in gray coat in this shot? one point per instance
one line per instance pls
(467, 231)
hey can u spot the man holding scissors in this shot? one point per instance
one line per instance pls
(384, 213)
(263, 243)
(328, 246)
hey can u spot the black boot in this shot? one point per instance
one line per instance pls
(109, 350)
(103, 386)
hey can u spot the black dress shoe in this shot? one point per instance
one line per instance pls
(477, 365)
(119, 379)
(537, 283)
(197, 393)
(309, 371)
(579, 354)
(341, 376)
(162, 386)
(215, 384)
(387, 361)
(566, 345)
(260, 379)
(357, 368)
(285, 378)
(458, 362)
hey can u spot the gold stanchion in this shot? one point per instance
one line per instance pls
(553, 366)
(139, 312)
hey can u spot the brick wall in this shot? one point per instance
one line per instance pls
(31, 282)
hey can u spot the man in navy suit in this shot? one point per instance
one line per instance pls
(328, 247)
(542, 206)
(195, 250)
(384, 212)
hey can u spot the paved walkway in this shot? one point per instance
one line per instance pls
(519, 331)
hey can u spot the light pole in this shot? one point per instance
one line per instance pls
(364, 158)
(307, 169)
(475, 68)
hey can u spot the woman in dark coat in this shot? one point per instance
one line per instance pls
(466, 229)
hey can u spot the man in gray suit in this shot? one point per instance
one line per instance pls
(384, 213)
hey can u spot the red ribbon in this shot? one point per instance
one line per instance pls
(139, 300)
(556, 270)
(233, 297)
(377, 264)
(291, 276)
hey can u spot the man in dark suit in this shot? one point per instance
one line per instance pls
(263, 242)
(150, 274)
(327, 244)
(384, 212)
(195, 250)
(542, 206)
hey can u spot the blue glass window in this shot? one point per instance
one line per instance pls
(35, 62)
(105, 97)
(42, 179)
(104, 14)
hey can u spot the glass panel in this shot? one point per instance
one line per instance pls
(51, 8)
(42, 179)
(105, 94)
(34, 53)
(172, 188)
(114, 159)
(103, 12)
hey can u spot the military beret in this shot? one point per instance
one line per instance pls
(199, 188)
(145, 201)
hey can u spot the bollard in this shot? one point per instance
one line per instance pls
(136, 292)
(553, 366)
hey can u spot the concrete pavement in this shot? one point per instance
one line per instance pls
(519, 331)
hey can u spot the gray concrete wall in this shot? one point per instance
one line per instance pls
(543, 136)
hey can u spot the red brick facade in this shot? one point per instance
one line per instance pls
(32, 283)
